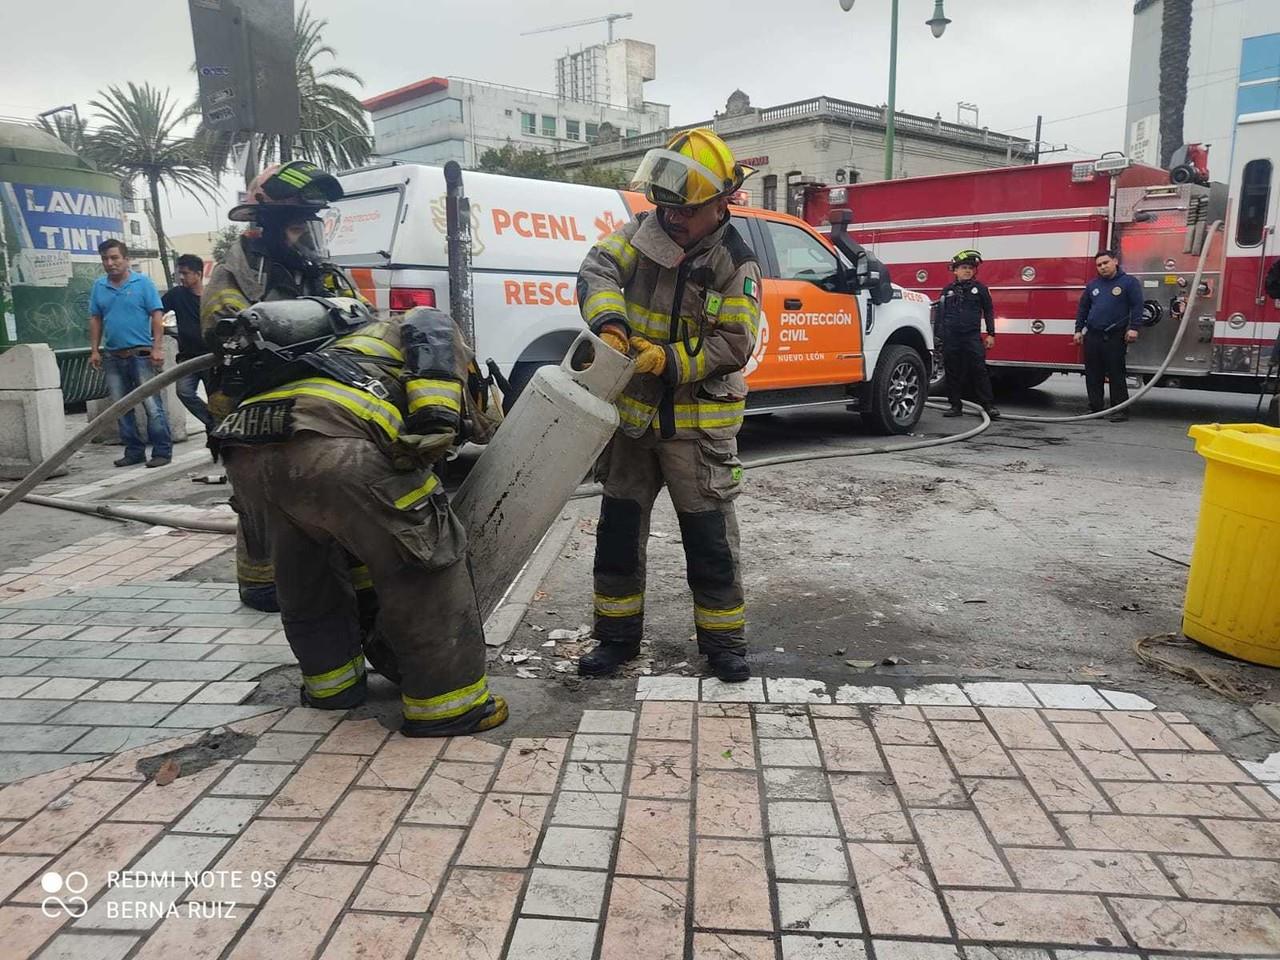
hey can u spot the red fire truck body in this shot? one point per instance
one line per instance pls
(1038, 228)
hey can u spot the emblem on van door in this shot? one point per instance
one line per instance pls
(762, 346)
(606, 223)
(439, 219)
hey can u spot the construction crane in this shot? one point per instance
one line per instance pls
(608, 18)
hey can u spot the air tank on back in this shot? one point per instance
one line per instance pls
(562, 422)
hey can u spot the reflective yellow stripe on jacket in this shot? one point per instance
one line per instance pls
(357, 402)
(416, 495)
(443, 394)
(369, 346)
(452, 704)
(741, 311)
(602, 302)
(689, 369)
(633, 412)
(620, 249)
(707, 414)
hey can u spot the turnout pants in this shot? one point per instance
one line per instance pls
(703, 478)
(1104, 355)
(965, 361)
(316, 501)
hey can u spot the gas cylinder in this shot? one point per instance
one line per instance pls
(543, 450)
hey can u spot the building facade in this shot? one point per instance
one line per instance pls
(823, 140)
(449, 118)
(1214, 90)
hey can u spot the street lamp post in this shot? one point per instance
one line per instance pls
(938, 25)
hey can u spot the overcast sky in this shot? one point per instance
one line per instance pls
(1014, 58)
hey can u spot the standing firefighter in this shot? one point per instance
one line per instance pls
(275, 259)
(335, 424)
(681, 288)
(963, 308)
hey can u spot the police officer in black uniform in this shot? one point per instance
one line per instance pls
(963, 307)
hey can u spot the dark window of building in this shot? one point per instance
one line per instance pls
(572, 130)
(549, 125)
(1255, 194)
(632, 132)
(528, 123)
(593, 132)
(135, 228)
(770, 201)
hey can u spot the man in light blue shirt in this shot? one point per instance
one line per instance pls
(126, 341)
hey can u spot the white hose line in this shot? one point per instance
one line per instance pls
(157, 383)
(1173, 349)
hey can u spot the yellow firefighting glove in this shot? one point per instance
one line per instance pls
(650, 358)
(614, 339)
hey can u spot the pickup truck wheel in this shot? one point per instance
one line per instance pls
(898, 391)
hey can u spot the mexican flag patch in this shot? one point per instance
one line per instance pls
(751, 288)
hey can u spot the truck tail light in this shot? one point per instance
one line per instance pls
(406, 298)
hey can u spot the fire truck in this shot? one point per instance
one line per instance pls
(1038, 228)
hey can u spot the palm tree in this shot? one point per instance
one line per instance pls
(71, 130)
(138, 138)
(1175, 53)
(334, 130)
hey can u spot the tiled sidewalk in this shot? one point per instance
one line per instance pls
(96, 669)
(711, 830)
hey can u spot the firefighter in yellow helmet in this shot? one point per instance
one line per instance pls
(680, 288)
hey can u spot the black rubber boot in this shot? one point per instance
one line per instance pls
(993, 413)
(488, 715)
(729, 666)
(954, 412)
(605, 659)
(260, 597)
(353, 696)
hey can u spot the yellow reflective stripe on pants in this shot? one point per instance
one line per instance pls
(620, 249)
(735, 618)
(414, 496)
(452, 704)
(333, 682)
(369, 346)
(601, 302)
(255, 572)
(434, 393)
(363, 405)
(634, 412)
(619, 606)
(709, 414)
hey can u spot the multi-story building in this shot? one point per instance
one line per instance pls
(1216, 89)
(822, 139)
(450, 118)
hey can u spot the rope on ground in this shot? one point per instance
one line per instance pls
(1238, 691)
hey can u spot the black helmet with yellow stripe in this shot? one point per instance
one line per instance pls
(966, 258)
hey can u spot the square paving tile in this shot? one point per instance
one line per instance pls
(550, 940)
(993, 694)
(936, 694)
(797, 690)
(717, 691)
(789, 753)
(796, 947)
(565, 893)
(576, 847)
(607, 721)
(857, 693)
(220, 815)
(802, 818)
(818, 908)
(667, 688)
(587, 809)
(809, 858)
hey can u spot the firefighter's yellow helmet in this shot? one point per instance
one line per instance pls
(695, 167)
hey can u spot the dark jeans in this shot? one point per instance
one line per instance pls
(191, 399)
(124, 374)
(1104, 359)
(965, 361)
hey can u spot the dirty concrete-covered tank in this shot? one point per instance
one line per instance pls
(55, 208)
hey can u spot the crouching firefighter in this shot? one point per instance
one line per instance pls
(681, 288)
(330, 450)
(278, 257)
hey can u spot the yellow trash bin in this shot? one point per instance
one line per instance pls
(1233, 591)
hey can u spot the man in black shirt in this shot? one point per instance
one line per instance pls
(184, 301)
(964, 307)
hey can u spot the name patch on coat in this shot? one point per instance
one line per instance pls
(258, 423)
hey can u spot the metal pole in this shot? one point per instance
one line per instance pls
(1039, 120)
(893, 83)
(458, 243)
